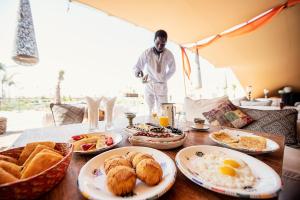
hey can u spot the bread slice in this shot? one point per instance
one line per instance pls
(6, 177)
(11, 168)
(41, 162)
(29, 148)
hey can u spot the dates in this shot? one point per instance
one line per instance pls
(157, 130)
(174, 130)
(153, 135)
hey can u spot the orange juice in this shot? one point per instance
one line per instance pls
(164, 121)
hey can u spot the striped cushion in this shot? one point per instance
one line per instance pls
(281, 122)
(66, 114)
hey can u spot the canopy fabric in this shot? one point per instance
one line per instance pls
(186, 21)
(238, 30)
(265, 58)
(268, 57)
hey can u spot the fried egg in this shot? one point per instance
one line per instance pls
(222, 170)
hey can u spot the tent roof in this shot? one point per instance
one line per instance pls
(265, 58)
(185, 20)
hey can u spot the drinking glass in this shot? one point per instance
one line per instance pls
(93, 112)
(164, 121)
(108, 116)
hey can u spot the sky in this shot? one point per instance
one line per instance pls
(96, 51)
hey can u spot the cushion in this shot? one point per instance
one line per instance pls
(274, 121)
(256, 103)
(66, 114)
(195, 108)
(227, 114)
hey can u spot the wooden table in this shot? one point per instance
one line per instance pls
(183, 189)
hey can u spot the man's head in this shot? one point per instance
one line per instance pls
(160, 40)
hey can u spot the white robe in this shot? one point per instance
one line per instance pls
(159, 69)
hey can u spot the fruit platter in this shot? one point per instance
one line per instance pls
(94, 142)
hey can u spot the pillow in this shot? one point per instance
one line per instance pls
(256, 103)
(66, 114)
(281, 122)
(227, 114)
(195, 108)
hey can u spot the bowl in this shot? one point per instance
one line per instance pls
(34, 186)
(287, 89)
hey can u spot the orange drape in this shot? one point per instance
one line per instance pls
(185, 63)
(250, 26)
(253, 25)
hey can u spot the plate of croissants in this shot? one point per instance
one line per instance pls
(96, 142)
(129, 173)
(27, 172)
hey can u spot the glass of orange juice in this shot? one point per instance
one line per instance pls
(164, 121)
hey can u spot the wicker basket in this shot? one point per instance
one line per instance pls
(33, 187)
(3, 124)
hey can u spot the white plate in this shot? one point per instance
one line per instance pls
(156, 144)
(271, 145)
(94, 186)
(204, 128)
(117, 138)
(268, 182)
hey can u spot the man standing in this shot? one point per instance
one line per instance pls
(158, 65)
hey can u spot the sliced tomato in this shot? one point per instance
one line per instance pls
(109, 141)
(88, 146)
(77, 137)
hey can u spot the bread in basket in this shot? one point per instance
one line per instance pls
(34, 186)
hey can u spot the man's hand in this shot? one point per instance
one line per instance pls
(145, 79)
(139, 74)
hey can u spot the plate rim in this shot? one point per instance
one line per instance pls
(161, 192)
(101, 149)
(217, 188)
(204, 129)
(249, 151)
(158, 145)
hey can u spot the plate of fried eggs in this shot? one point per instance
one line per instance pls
(228, 172)
(244, 141)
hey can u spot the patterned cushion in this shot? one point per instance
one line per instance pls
(274, 121)
(227, 114)
(66, 114)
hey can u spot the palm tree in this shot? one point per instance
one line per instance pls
(6, 81)
(61, 74)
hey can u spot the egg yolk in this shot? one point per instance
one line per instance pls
(227, 171)
(232, 163)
